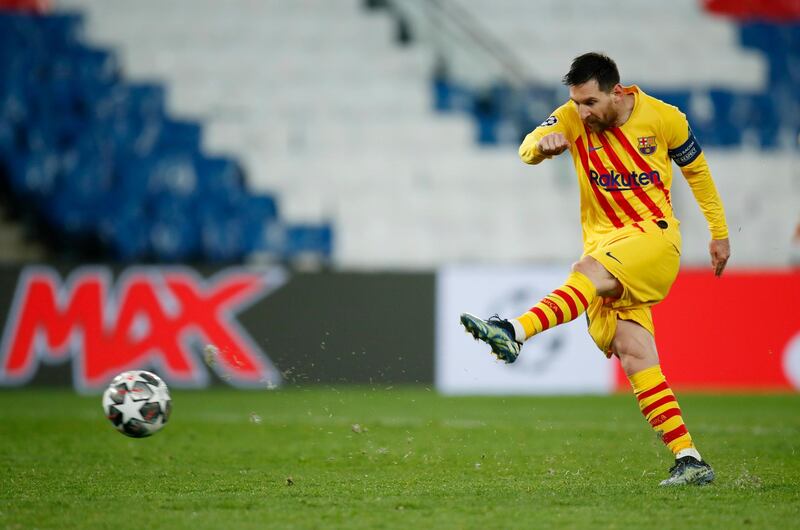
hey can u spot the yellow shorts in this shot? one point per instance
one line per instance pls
(645, 259)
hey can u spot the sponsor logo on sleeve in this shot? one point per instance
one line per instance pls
(552, 120)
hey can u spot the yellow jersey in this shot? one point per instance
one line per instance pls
(625, 173)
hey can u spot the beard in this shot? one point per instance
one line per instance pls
(600, 124)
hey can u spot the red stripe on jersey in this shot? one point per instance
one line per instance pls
(677, 432)
(620, 167)
(655, 390)
(663, 401)
(639, 227)
(619, 198)
(638, 160)
(542, 317)
(555, 309)
(612, 216)
(570, 302)
(580, 297)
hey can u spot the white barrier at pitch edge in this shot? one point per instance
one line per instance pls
(563, 360)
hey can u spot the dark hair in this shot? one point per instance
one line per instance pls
(595, 66)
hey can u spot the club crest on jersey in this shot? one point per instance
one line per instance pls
(647, 145)
(552, 120)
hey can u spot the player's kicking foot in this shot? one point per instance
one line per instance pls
(689, 470)
(496, 332)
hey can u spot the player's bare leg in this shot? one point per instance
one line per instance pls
(636, 349)
(632, 343)
(604, 282)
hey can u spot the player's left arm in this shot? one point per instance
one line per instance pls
(687, 153)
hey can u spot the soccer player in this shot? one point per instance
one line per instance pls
(623, 143)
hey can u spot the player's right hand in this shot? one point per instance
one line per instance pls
(553, 144)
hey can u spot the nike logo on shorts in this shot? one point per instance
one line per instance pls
(612, 257)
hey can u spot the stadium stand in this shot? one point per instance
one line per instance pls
(734, 99)
(110, 173)
(738, 89)
(391, 127)
(322, 108)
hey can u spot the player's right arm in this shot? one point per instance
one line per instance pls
(549, 139)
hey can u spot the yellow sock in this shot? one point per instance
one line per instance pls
(562, 305)
(660, 408)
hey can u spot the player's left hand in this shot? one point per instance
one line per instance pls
(720, 250)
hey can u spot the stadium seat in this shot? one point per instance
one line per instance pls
(320, 109)
(309, 240)
(100, 158)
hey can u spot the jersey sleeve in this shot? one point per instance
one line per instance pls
(686, 152)
(559, 121)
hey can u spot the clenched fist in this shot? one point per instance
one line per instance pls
(553, 144)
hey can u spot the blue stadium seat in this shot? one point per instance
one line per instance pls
(242, 224)
(222, 234)
(144, 99)
(679, 98)
(82, 194)
(124, 227)
(127, 235)
(313, 240)
(175, 234)
(219, 176)
(182, 136)
(734, 113)
(62, 29)
(761, 35)
(172, 176)
(781, 45)
(94, 65)
(98, 157)
(8, 139)
(763, 116)
(725, 131)
(450, 96)
(34, 176)
(261, 208)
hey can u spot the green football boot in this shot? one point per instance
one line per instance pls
(689, 470)
(496, 332)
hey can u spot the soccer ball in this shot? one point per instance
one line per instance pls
(137, 403)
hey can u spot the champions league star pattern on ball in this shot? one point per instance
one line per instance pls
(137, 403)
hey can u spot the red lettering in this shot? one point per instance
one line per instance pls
(157, 318)
(207, 312)
(48, 319)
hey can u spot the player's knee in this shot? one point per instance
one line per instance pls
(634, 346)
(603, 281)
(628, 347)
(586, 266)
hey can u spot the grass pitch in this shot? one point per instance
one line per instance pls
(362, 457)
